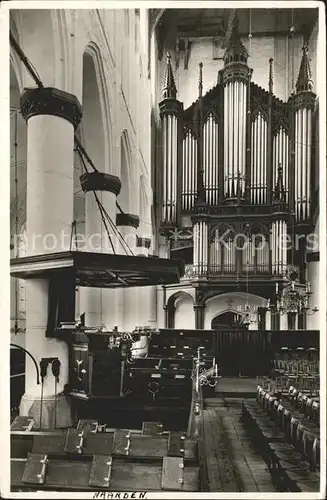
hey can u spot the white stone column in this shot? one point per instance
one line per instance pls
(90, 298)
(109, 298)
(143, 294)
(127, 225)
(283, 321)
(100, 304)
(51, 116)
(268, 320)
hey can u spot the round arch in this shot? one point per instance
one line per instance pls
(227, 320)
(220, 304)
(180, 312)
(92, 59)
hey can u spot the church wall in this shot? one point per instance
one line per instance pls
(262, 49)
(314, 277)
(184, 313)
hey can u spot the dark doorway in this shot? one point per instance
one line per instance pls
(227, 321)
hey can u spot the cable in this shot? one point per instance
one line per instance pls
(82, 151)
(103, 213)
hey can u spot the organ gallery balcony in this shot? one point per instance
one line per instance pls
(233, 271)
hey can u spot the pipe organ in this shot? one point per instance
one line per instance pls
(238, 154)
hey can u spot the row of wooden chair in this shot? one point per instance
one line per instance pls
(297, 429)
(290, 449)
(296, 365)
(282, 382)
(308, 404)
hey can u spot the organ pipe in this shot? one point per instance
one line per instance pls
(200, 245)
(210, 159)
(215, 254)
(235, 105)
(303, 104)
(281, 158)
(278, 247)
(170, 161)
(189, 168)
(303, 118)
(258, 185)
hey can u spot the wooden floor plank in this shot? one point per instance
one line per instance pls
(240, 468)
(212, 466)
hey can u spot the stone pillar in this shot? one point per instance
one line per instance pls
(199, 310)
(127, 224)
(166, 316)
(199, 316)
(51, 116)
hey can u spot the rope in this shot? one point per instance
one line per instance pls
(105, 217)
(80, 149)
(29, 66)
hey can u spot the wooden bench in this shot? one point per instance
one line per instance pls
(83, 459)
(102, 472)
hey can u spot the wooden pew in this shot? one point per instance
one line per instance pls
(85, 459)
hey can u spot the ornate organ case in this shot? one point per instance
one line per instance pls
(250, 155)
